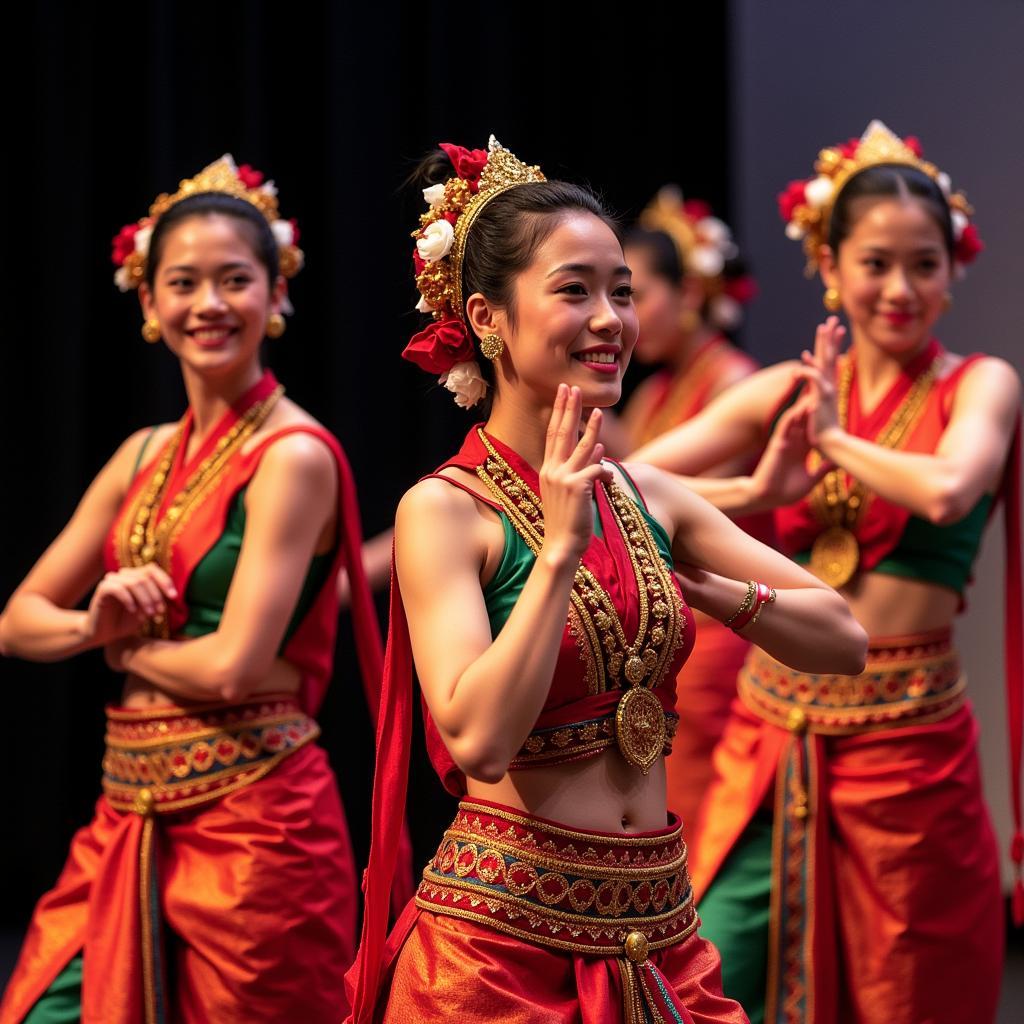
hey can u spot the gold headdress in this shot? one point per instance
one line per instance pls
(806, 206)
(445, 347)
(131, 244)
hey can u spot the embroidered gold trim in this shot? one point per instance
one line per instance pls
(609, 656)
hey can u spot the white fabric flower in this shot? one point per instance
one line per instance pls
(436, 242)
(726, 312)
(464, 381)
(142, 237)
(284, 233)
(794, 232)
(714, 231)
(818, 192)
(122, 280)
(423, 306)
(706, 260)
(959, 223)
(268, 188)
(943, 181)
(434, 196)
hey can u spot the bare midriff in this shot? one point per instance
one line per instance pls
(283, 677)
(602, 793)
(894, 606)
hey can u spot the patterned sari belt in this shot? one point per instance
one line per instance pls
(169, 758)
(595, 893)
(907, 680)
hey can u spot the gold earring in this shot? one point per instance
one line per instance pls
(831, 301)
(151, 331)
(491, 346)
(275, 325)
(947, 302)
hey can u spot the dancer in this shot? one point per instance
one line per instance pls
(690, 286)
(216, 880)
(846, 865)
(534, 588)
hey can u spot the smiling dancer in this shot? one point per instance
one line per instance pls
(216, 881)
(847, 867)
(534, 589)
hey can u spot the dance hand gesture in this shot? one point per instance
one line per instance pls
(819, 371)
(124, 600)
(782, 475)
(571, 468)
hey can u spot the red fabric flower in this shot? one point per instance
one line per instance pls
(295, 230)
(249, 176)
(793, 197)
(849, 148)
(468, 163)
(696, 209)
(451, 217)
(418, 262)
(914, 145)
(741, 289)
(124, 244)
(439, 346)
(969, 246)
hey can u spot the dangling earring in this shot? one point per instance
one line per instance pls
(831, 301)
(947, 302)
(151, 331)
(275, 325)
(491, 346)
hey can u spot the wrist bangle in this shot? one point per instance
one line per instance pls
(746, 608)
(765, 595)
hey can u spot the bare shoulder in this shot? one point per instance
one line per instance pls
(989, 381)
(433, 502)
(298, 458)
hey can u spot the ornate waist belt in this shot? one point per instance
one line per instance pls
(585, 892)
(906, 680)
(170, 758)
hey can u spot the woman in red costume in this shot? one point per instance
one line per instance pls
(534, 588)
(846, 866)
(689, 287)
(216, 880)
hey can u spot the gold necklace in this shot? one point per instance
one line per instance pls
(142, 538)
(640, 724)
(835, 554)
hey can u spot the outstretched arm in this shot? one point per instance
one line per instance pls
(942, 487)
(809, 627)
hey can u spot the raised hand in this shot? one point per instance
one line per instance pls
(819, 371)
(783, 474)
(571, 468)
(124, 600)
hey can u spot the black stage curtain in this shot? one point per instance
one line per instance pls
(107, 105)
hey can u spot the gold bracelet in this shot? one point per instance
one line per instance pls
(746, 604)
(770, 599)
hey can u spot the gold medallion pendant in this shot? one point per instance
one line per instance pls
(640, 727)
(835, 556)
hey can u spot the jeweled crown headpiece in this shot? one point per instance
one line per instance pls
(131, 243)
(806, 205)
(445, 346)
(704, 245)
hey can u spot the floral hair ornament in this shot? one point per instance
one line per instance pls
(806, 206)
(445, 346)
(131, 243)
(704, 245)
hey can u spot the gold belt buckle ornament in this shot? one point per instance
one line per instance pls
(835, 556)
(640, 727)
